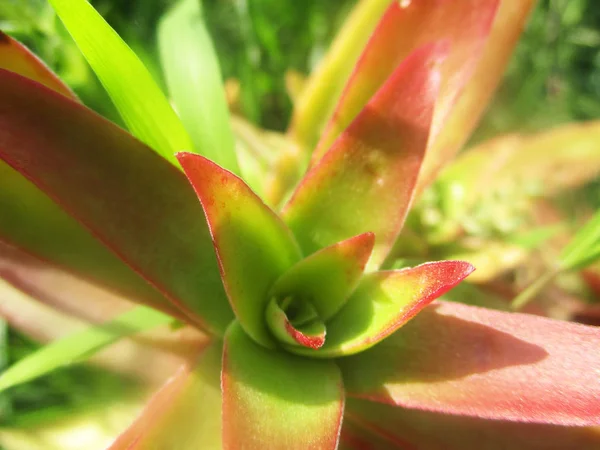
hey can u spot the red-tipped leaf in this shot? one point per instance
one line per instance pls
(131, 199)
(465, 360)
(253, 245)
(406, 26)
(383, 427)
(374, 164)
(17, 58)
(385, 301)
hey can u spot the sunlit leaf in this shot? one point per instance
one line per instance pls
(272, 399)
(15, 57)
(317, 101)
(385, 301)
(185, 413)
(194, 80)
(254, 247)
(136, 203)
(139, 100)
(463, 360)
(365, 182)
(80, 345)
(584, 247)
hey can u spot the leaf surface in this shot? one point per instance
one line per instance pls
(465, 24)
(80, 345)
(17, 58)
(385, 301)
(185, 413)
(254, 247)
(136, 203)
(392, 428)
(194, 79)
(144, 108)
(463, 360)
(272, 399)
(326, 278)
(373, 166)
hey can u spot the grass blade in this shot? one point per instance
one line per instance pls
(139, 100)
(80, 345)
(194, 80)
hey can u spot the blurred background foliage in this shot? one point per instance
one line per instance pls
(554, 78)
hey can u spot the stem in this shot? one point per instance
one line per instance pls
(533, 289)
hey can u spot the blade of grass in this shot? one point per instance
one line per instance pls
(582, 250)
(139, 100)
(584, 247)
(194, 80)
(80, 345)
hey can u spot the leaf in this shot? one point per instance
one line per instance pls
(132, 200)
(254, 247)
(15, 57)
(184, 413)
(385, 301)
(162, 348)
(138, 99)
(194, 79)
(314, 106)
(405, 27)
(584, 247)
(540, 164)
(462, 117)
(404, 428)
(63, 242)
(80, 345)
(463, 360)
(272, 399)
(326, 278)
(373, 166)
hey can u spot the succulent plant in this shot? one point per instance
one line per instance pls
(307, 341)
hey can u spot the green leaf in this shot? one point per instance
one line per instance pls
(383, 302)
(194, 80)
(584, 247)
(139, 100)
(365, 182)
(136, 203)
(326, 278)
(272, 399)
(81, 345)
(254, 247)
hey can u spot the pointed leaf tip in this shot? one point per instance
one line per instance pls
(254, 247)
(385, 301)
(327, 277)
(374, 164)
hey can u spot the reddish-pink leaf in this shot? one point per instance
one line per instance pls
(464, 360)
(272, 399)
(254, 247)
(366, 180)
(15, 57)
(131, 199)
(406, 26)
(185, 413)
(383, 427)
